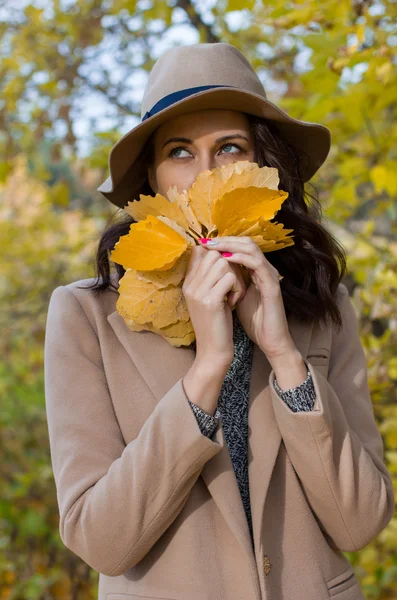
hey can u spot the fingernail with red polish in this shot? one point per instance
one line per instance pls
(203, 240)
(227, 253)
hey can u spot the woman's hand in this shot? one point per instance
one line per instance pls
(209, 279)
(261, 309)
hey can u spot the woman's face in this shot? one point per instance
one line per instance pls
(194, 142)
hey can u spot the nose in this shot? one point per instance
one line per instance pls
(205, 162)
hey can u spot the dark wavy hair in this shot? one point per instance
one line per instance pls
(312, 268)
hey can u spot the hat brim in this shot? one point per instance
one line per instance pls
(126, 171)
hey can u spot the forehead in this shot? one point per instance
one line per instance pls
(203, 122)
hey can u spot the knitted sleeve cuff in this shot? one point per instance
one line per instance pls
(300, 398)
(206, 422)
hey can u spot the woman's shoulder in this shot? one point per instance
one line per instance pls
(99, 306)
(342, 289)
(95, 304)
(77, 286)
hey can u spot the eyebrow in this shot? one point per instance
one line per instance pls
(221, 139)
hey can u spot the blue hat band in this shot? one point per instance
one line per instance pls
(176, 96)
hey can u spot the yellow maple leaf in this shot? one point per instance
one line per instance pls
(238, 199)
(173, 276)
(177, 334)
(249, 203)
(212, 185)
(150, 244)
(143, 302)
(156, 206)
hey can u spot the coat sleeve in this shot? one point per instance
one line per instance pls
(207, 423)
(115, 500)
(301, 397)
(336, 449)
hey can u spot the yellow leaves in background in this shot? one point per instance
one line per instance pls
(33, 234)
(347, 83)
(388, 428)
(392, 372)
(386, 73)
(388, 537)
(59, 194)
(384, 179)
(238, 199)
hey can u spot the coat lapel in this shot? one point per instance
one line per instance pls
(264, 438)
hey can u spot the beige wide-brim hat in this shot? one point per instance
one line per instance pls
(198, 77)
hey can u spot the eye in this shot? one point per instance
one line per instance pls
(172, 155)
(174, 150)
(232, 146)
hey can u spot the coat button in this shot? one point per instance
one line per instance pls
(266, 564)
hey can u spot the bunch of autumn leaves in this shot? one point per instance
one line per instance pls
(238, 199)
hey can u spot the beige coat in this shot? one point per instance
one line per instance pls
(154, 505)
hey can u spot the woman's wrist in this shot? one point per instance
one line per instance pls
(203, 383)
(290, 370)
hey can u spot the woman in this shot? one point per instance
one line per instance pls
(241, 467)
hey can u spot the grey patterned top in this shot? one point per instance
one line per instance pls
(232, 409)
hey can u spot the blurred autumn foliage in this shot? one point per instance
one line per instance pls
(333, 63)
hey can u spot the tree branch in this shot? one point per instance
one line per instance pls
(196, 20)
